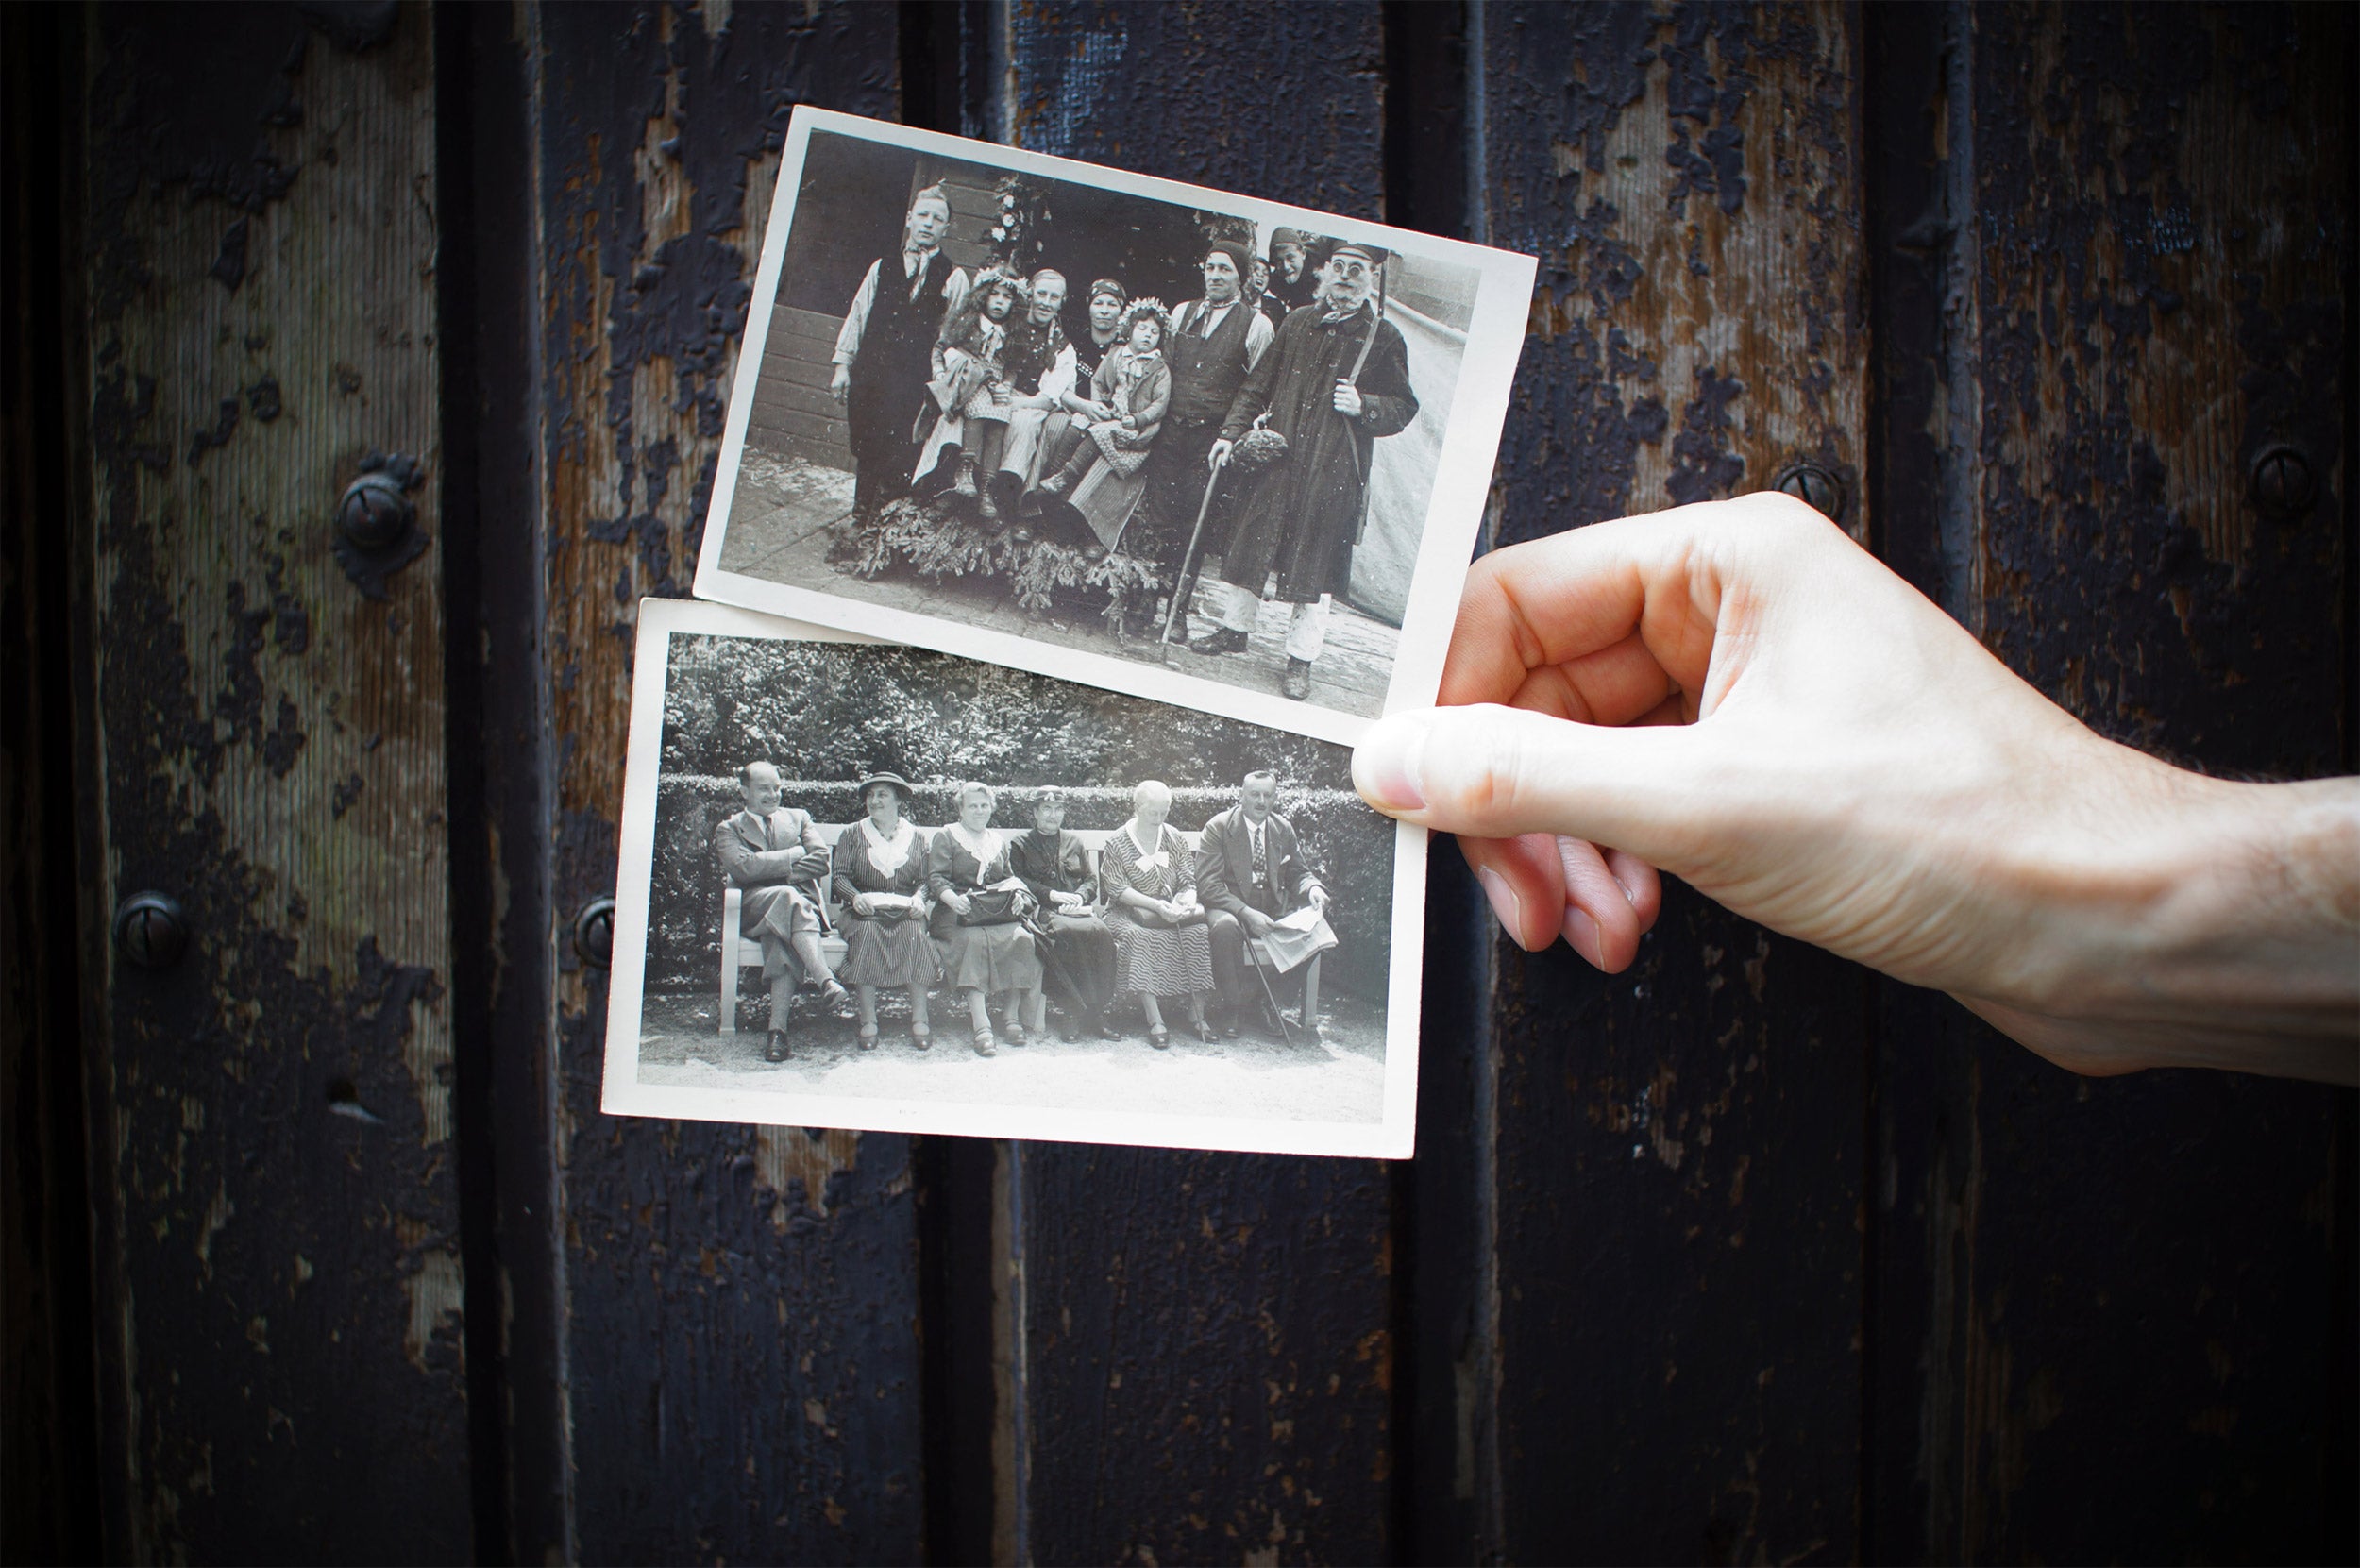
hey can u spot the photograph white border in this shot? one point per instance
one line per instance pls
(1393, 1136)
(1463, 476)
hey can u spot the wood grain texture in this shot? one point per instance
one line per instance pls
(280, 1274)
(1208, 1338)
(1671, 1368)
(2120, 1291)
(739, 1303)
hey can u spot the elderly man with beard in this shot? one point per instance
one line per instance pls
(1216, 341)
(1335, 379)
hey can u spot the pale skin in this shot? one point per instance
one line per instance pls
(1105, 321)
(1260, 796)
(975, 816)
(1736, 693)
(929, 220)
(1150, 807)
(763, 791)
(1345, 282)
(884, 805)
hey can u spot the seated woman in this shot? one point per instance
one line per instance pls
(1079, 958)
(1101, 479)
(1148, 878)
(979, 910)
(877, 877)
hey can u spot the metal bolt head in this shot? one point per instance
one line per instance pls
(1814, 487)
(151, 930)
(594, 933)
(2284, 486)
(374, 513)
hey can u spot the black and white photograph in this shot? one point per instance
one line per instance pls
(869, 886)
(1190, 445)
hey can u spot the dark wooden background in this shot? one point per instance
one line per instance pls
(316, 1245)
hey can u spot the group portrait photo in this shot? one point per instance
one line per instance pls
(880, 874)
(1063, 411)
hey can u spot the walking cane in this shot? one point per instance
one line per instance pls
(1188, 561)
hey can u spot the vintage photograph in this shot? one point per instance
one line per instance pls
(870, 886)
(1170, 441)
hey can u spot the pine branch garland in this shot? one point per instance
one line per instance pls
(937, 543)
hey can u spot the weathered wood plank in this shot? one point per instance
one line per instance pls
(1223, 1389)
(741, 1303)
(1677, 1150)
(280, 1270)
(2156, 240)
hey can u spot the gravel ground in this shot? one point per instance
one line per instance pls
(1337, 1077)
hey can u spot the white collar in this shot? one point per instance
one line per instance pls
(985, 848)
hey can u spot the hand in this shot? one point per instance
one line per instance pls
(1219, 454)
(1256, 924)
(814, 863)
(840, 385)
(1348, 399)
(1737, 693)
(959, 903)
(1317, 897)
(863, 907)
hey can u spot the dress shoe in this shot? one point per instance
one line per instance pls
(839, 1000)
(1229, 1023)
(1219, 640)
(1296, 682)
(777, 1050)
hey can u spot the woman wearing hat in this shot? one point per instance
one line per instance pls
(877, 877)
(1079, 959)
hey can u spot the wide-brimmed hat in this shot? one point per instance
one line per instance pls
(901, 787)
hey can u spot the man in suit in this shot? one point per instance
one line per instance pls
(776, 855)
(1250, 873)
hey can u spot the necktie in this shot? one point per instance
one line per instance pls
(1261, 859)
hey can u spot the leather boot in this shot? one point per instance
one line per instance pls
(778, 1050)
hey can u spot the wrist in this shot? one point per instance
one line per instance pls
(2217, 925)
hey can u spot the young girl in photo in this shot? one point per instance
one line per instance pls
(1129, 394)
(971, 387)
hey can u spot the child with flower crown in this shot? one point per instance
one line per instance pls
(971, 387)
(1129, 394)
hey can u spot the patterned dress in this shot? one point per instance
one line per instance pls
(977, 958)
(1155, 959)
(887, 948)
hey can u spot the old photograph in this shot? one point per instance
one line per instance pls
(870, 886)
(1175, 442)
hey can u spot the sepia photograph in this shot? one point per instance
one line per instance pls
(1175, 442)
(869, 886)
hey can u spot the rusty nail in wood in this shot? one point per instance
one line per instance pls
(2284, 486)
(151, 930)
(1814, 487)
(594, 931)
(374, 513)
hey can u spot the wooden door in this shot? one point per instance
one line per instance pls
(1745, 1254)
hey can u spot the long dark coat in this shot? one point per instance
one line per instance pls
(1301, 516)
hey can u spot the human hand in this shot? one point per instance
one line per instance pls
(1737, 693)
(1219, 454)
(1256, 924)
(840, 385)
(1347, 399)
(960, 903)
(863, 907)
(1317, 897)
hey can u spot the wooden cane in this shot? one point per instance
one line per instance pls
(1179, 587)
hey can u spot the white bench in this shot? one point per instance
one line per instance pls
(737, 954)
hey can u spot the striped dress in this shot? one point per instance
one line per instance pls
(1154, 959)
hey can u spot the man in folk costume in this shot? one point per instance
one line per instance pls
(1042, 367)
(1216, 341)
(776, 856)
(1335, 379)
(1252, 876)
(885, 351)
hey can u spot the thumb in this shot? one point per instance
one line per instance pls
(1486, 771)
